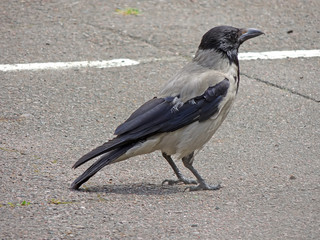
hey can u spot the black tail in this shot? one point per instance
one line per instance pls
(104, 148)
(100, 163)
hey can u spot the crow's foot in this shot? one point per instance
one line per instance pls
(204, 186)
(180, 180)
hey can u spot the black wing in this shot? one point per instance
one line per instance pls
(157, 114)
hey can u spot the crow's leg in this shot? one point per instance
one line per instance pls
(181, 178)
(187, 161)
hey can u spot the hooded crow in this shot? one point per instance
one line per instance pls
(185, 115)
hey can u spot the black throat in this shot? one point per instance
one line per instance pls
(233, 58)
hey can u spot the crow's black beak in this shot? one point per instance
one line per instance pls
(247, 33)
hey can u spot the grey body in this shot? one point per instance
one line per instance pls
(187, 112)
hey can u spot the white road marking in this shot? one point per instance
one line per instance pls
(129, 62)
(279, 54)
(67, 65)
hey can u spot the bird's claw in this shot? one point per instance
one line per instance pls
(203, 186)
(170, 182)
(182, 180)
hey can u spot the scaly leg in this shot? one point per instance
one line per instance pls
(176, 170)
(187, 161)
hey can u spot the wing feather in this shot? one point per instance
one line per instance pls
(159, 116)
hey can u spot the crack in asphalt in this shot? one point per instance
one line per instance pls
(281, 87)
(138, 38)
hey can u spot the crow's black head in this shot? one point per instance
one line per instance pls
(226, 38)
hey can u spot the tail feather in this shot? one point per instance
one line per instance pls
(92, 154)
(104, 148)
(100, 163)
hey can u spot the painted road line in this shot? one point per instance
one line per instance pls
(67, 65)
(279, 54)
(129, 62)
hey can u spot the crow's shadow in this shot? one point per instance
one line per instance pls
(138, 189)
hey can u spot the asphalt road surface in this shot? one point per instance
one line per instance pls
(266, 154)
